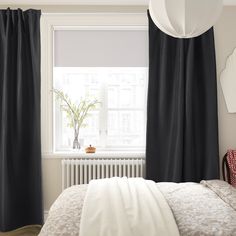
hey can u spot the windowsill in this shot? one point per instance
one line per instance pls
(98, 154)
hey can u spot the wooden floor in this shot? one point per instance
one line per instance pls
(32, 230)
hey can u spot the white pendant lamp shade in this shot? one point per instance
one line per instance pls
(185, 18)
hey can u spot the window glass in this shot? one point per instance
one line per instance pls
(109, 66)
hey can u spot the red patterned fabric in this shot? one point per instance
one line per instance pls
(231, 159)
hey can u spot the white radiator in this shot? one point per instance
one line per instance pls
(81, 171)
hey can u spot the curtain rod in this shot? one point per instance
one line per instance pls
(91, 13)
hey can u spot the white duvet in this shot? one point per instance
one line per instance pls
(207, 209)
(126, 207)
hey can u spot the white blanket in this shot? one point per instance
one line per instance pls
(126, 207)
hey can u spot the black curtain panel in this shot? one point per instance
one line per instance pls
(182, 123)
(20, 151)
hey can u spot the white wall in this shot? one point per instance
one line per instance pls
(225, 42)
(90, 2)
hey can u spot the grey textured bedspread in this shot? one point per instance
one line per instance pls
(202, 209)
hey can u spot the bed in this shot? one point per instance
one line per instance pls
(208, 208)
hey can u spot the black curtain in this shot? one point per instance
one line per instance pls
(182, 123)
(20, 151)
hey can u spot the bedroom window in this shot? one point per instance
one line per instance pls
(109, 65)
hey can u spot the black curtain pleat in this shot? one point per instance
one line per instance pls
(20, 147)
(182, 123)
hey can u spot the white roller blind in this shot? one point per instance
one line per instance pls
(101, 48)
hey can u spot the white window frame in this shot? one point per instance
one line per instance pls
(55, 21)
(103, 110)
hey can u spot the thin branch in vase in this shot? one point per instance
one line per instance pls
(76, 113)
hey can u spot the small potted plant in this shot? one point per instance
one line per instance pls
(76, 113)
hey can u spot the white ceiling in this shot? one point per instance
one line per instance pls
(85, 2)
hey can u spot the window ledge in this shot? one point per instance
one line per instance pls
(97, 155)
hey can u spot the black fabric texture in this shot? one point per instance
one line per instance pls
(20, 145)
(182, 119)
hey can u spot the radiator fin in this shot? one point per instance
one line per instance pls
(81, 171)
